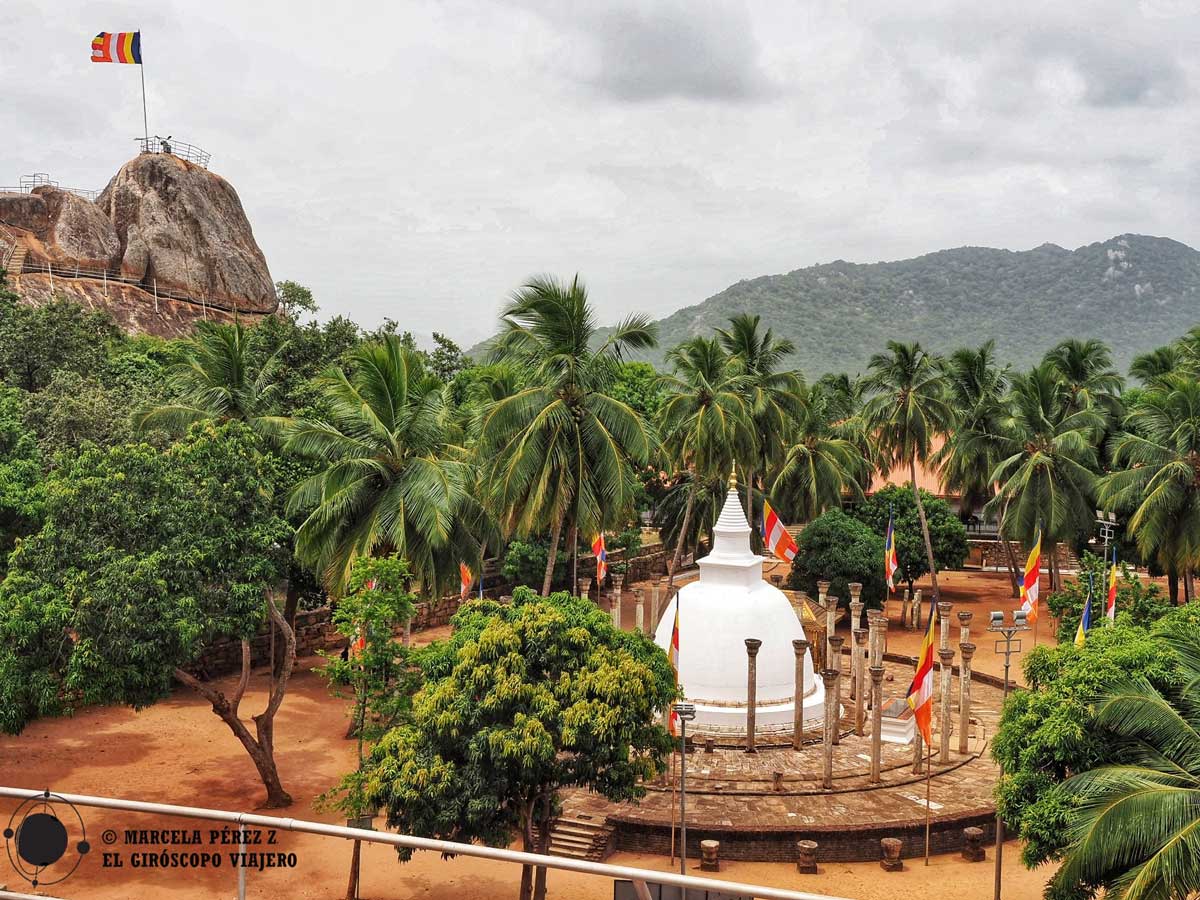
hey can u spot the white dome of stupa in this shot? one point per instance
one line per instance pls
(729, 603)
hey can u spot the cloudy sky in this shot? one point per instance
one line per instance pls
(419, 159)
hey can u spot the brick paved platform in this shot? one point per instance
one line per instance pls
(731, 796)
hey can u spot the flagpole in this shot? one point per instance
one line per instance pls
(672, 807)
(142, 67)
(928, 778)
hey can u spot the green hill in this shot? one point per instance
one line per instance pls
(1134, 292)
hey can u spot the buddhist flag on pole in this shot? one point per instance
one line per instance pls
(920, 692)
(891, 563)
(1085, 621)
(117, 47)
(465, 578)
(775, 535)
(601, 559)
(1029, 587)
(673, 721)
(1110, 608)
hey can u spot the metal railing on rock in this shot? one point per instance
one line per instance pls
(641, 878)
(183, 150)
(43, 179)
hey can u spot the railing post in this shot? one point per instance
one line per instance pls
(241, 859)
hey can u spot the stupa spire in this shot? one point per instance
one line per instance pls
(731, 551)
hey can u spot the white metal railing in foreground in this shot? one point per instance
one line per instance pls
(639, 877)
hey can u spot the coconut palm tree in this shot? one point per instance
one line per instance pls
(976, 385)
(705, 422)
(822, 464)
(216, 377)
(562, 449)
(1153, 365)
(1047, 462)
(768, 391)
(907, 407)
(389, 482)
(1085, 368)
(1135, 824)
(1158, 475)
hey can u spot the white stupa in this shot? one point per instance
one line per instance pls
(729, 603)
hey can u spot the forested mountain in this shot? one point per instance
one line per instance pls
(1133, 291)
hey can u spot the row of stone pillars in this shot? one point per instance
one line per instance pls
(658, 591)
(866, 657)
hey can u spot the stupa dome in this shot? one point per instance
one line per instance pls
(729, 603)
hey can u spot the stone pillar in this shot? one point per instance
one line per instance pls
(831, 604)
(710, 856)
(860, 683)
(856, 604)
(876, 723)
(408, 631)
(587, 587)
(657, 594)
(943, 609)
(835, 656)
(972, 850)
(777, 782)
(905, 609)
(710, 744)
(964, 627)
(639, 611)
(964, 696)
(806, 857)
(752, 645)
(829, 676)
(891, 855)
(916, 609)
(616, 601)
(800, 648)
(822, 590)
(947, 659)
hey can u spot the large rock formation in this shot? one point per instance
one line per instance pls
(183, 227)
(163, 226)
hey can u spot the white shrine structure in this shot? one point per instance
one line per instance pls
(729, 603)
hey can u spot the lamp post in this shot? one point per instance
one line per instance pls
(1007, 632)
(686, 712)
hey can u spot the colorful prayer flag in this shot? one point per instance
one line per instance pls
(1029, 587)
(673, 721)
(465, 578)
(117, 47)
(891, 563)
(775, 535)
(920, 692)
(1110, 608)
(1085, 620)
(601, 558)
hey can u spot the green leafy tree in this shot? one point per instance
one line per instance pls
(639, 387)
(1157, 477)
(375, 671)
(105, 606)
(563, 449)
(294, 299)
(72, 410)
(22, 488)
(37, 341)
(446, 359)
(705, 423)
(299, 355)
(1085, 369)
(1134, 821)
(523, 700)
(821, 465)
(1142, 601)
(946, 530)
(908, 407)
(388, 480)
(839, 549)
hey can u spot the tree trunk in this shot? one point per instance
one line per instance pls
(291, 605)
(352, 887)
(528, 846)
(1189, 587)
(1173, 586)
(1013, 576)
(552, 557)
(573, 547)
(261, 745)
(688, 509)
(912, 468)
(539, 877)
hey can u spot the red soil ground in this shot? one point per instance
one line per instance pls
(178, 752)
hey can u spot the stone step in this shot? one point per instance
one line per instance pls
(584, 831)
(568, 840)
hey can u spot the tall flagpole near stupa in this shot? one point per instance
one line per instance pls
(142, 67)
